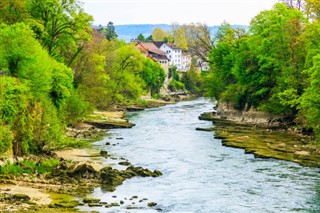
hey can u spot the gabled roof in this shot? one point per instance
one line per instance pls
(151, 47)
(172, 46)
(159, 43)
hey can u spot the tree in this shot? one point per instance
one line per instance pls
(124, 66)
(192, 80)
(149, 38)
(66, 26)
(141, 37)
(13, 11)
(294, 4)
(159, 34)
(199, 40)
(153, 75)
(180, 40)
(34, 93)
(278, 45)
(90, 73)
(111, 32)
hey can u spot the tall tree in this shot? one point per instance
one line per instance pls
(141, 37)
(180, 39)
(111, 32)
(66, 26)
(199, 40)
(153, 75)
(124, 66)
(159, 34)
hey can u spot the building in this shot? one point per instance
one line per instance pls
(185, 61)
(173, 53)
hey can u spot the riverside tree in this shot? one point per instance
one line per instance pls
(272, 68)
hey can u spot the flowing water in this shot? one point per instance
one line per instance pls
(199, 174)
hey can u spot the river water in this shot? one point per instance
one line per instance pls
(199, 174)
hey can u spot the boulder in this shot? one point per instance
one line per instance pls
(91, 200)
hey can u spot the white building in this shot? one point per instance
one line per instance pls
(186, 61)
(173, 53)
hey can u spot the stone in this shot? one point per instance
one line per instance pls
(103, 152)
(124, 163)
(95, 204)
(91, 200)
(21, 197)
(152, 204)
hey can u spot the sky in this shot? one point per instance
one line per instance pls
(210, 12)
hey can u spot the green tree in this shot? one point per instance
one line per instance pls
(192, 79)
(124, 67)
(66, 26)
(310, 100)
(278, 45)
(36, 93)
(141, 37)
(180, 39)
(159, 34)
(110, 31)
(153, 75)
(13, 11)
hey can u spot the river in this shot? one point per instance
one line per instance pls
(199, 174)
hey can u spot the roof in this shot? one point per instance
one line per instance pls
(172, 46)
(151, 47)
(158, 43)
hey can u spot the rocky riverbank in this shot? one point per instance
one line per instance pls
(264, 141)
(25, 186)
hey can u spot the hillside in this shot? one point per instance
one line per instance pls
(127, 32)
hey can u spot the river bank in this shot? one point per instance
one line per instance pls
(77, 172)
(264, 139)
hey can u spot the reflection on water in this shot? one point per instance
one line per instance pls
(201, 175)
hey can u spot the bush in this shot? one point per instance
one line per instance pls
(175, 85)
(6, 138)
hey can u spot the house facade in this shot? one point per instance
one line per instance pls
(185, 61)
(173, 53)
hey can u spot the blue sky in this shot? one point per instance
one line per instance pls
(210, 12)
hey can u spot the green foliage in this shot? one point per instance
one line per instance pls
(29, 167)
(6, 138)
(173, 73)
(36, 98)
(310, 100)
(275, 67)
(153, 75)
(65, 26)
(175, 86)
(124, 70)
(192, 81)
(263, 68)
(111, 32)
(76, 108)
(141, 37)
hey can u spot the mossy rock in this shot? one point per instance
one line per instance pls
(124, 163)
(21, 197)
(95, 204)
(71, 204)
(152, 204)
(91, 200)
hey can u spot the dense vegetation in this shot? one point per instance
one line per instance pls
(54, 69)
(273, 67)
